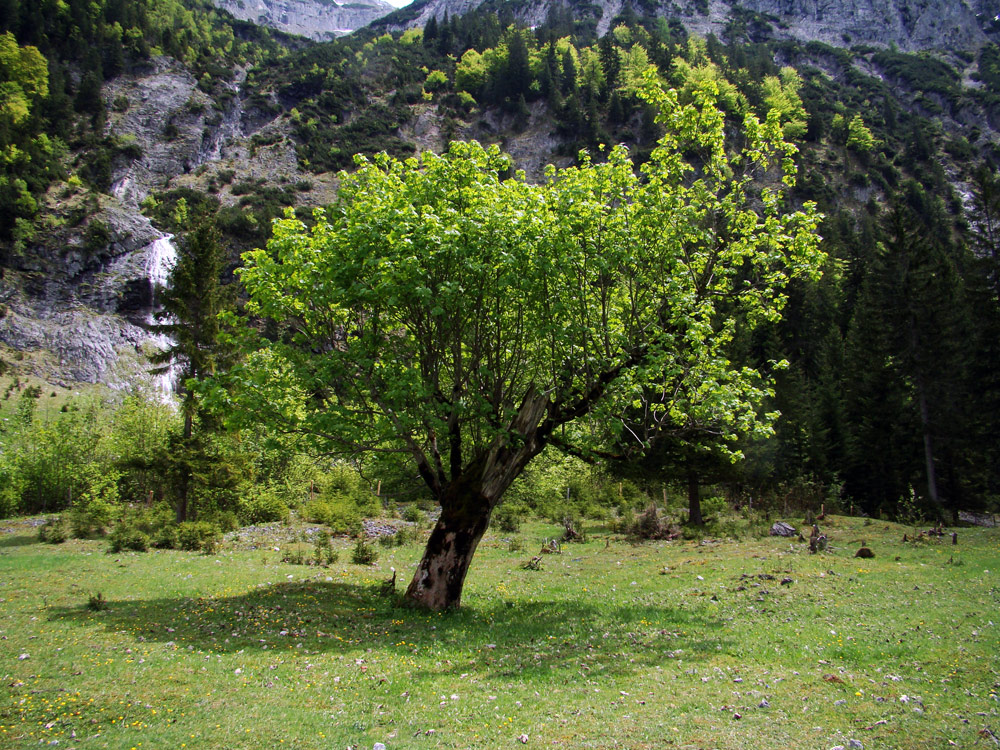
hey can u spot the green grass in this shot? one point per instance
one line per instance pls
(651, 646)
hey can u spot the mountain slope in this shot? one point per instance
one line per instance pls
(910, 25)
(316, 19)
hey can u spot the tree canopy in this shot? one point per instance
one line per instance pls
(448, 309)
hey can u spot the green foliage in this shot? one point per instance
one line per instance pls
(413, 514)
(859, 137)
(364, 553)
(198, 536)
(264, 506)
(127, 536)
(97, 602)
(340, 499)
(55, 530)
(781, 93)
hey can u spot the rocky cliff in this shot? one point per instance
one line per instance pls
(910, 25)
(315, 19)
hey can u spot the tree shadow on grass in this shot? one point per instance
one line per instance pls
(506, 637)
(17, 540)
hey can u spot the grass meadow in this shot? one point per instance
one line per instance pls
(684, 644)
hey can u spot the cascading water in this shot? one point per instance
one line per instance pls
(160, 261)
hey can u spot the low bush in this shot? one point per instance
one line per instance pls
(127, 536)
(508, 517)
(364, 553)
(413, 514)
(54, 531)
(165, 537)
(199, 536)
(263, 507)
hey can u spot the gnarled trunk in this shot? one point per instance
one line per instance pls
(466, 504)
(465, 515)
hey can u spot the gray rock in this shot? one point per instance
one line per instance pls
(317, 20)
(783, 529)
(855, 745)
(910, 25)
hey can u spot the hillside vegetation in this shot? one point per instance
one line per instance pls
(890, 393)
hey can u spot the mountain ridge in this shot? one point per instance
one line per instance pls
(320, 21)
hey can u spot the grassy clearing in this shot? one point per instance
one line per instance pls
(608, 645)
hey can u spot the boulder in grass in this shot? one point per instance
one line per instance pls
(782, 529)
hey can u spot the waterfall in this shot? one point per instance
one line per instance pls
(160, 261)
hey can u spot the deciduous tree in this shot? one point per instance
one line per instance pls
(454, 312)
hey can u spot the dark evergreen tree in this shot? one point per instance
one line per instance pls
(189, 315)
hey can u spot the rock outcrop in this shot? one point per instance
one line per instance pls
(910, 25)
(316, 19)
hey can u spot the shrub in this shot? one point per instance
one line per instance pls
(364, 553)
(648, 524)
(406, 535)
(341, 501)
(413, 514)
(127, 536)
(97, 602)
(53, 531)
(87, 519)
(165, 537)
(264, 507)
(198, 536)
(323, 552)
(508, 517)
(228, 521)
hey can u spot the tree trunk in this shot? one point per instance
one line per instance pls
(694, 500)
(439, 578)
(926, 427)
(466, 504)
(181, 511)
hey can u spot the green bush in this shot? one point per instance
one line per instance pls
(53, 531)
(263, 507)
(508, 517)
(413, 514)
(95, 509)
(228, 521)
(165, 537)
(199, 536)
(127, 536)
(364, 553)
(340, 500)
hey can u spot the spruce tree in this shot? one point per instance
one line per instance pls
(189, 315)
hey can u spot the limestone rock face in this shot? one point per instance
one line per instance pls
(317, 19)
(910, 25)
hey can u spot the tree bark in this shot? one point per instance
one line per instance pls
(694, 500)
(467, 502)
(439, 578)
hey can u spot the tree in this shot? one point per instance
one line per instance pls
(907, 363)
(191, 304)
(859, 137)
(467, 318)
